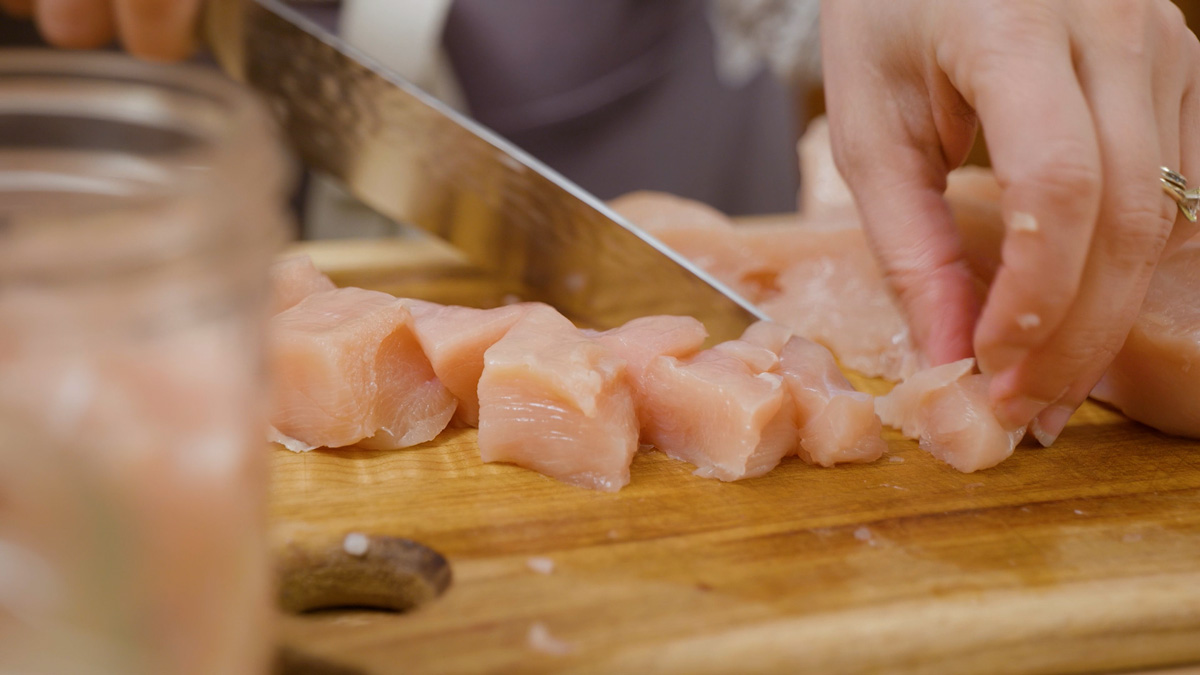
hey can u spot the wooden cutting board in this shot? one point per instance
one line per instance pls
(1081, 557)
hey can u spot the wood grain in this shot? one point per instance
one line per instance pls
(1081, 557)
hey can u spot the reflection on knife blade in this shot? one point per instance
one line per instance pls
(413, 159)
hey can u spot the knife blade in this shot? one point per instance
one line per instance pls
(415, 160)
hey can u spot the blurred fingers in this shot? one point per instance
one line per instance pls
(75, 24)
(158, 29)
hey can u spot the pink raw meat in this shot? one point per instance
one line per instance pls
(455, 339)
(819, 279)
(947, 409)
(347, 370)
(554, 400)
(719, 410)
(840, 300)
(836, 422)
(294, 279)
(823, 192)
(642, 340)
(697, 232)
(1155, 378)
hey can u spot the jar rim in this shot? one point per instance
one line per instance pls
(212, 120)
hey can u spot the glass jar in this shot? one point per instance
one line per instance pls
(140, 205)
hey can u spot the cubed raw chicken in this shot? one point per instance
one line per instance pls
(640, 341)
(823, 192)
(947, 410)
(557, 401)
(455, 339)
(347, 370)
(721, 410)
(836, 422)
(293, 279)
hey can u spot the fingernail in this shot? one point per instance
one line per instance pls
(1050, 424)
(1019, 411)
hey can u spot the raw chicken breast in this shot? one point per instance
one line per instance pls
(841, 301)
(696, 231)
(719, 410)
(455, 339)
(823, 192)
(657, 211)
(818, 279)
(836, 422)
(554, 400)
(974, 197)
(347, 369)
(1155, 378)
(294, 279)
(640, 341)
(947, 409)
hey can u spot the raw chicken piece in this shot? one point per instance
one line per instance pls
(696, 231)
(455, 339)
(817, 278)
(642, 340)
(347, 369)
(556, 401)
(841, 301)
(768, 335)
(974, 197)
(718, 411)
(899, 409)
(1155, 378)
(823, 192)
(778, 244)
(757, 358)
(294, 279)
(836, 422)
(948, 410)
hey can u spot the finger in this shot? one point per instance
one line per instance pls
(18, 8)
(1178, 119)
(158, 29)
(1135, 221)
(1189, 145)
(914, 237)
(1043, 147)
(898, 183)
(75, 24)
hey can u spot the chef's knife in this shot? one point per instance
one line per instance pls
(415, 160)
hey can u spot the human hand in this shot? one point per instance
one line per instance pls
(153, 29)
(1082, 103)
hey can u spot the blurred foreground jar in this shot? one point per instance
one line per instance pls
(139, 208)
